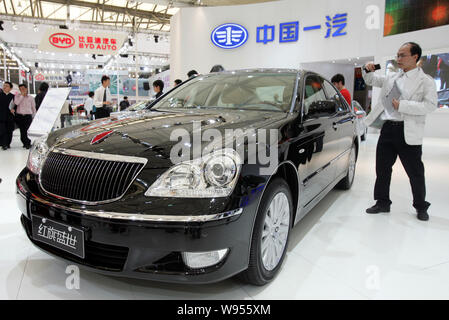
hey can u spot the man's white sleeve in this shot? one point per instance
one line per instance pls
(373, 79)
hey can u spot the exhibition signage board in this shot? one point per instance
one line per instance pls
(232, 35)
(48, 112)
(81, 41)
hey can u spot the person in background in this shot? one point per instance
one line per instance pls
(124, 103)
(88, 104)
(192, 74)
(217, 68)
(103, 99)
(178, 82)
(6, 117)
(158, 87)
(43, 88)
(66, 113)
(339, 82)
(26, 109)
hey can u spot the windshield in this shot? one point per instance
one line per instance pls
(248, 91)
(138, 106)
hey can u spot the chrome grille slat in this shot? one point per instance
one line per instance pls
(116, 179)
(99, 172)
(88, 178)
(111, 177)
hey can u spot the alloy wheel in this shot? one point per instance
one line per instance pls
(275, 231)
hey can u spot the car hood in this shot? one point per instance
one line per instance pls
(147, 134)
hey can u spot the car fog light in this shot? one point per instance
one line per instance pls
(196, 260)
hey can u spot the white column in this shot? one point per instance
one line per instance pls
(118, 86)
(4, 64)
(137, 76)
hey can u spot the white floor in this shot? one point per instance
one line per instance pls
(336, 252)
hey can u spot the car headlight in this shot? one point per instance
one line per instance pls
(37, 155)
(213, 175)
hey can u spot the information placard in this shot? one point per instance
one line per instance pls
(48, 112)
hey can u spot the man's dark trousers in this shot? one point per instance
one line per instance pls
(23, 122)
(6, 130)
(392, 144)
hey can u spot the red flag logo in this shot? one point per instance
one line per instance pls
(100, 137)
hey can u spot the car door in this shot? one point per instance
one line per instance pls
(344, 129)
(316, 148)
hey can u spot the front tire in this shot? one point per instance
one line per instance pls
(271, 233)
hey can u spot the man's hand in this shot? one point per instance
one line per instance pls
(13, 111)
(395, 104)
(370, 66)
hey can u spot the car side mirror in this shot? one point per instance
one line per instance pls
(322, 107)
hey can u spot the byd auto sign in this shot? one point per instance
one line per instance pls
(62, 40)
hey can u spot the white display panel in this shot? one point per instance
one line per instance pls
(48, 112)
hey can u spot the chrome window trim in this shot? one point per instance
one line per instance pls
(97, 156)
(295, 93)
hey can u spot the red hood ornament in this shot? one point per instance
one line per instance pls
(100, 137)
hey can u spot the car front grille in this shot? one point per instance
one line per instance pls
(87, 177)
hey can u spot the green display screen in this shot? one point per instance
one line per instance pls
(410, 15)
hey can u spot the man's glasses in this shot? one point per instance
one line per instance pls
(403, 56)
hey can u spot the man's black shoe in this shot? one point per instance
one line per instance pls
(422, 215)
(4, 148)
(378, 209)
(27, 146)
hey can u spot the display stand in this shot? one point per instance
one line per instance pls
(48, 112)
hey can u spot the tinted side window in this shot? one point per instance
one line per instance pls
(333, 94)
(313, 94)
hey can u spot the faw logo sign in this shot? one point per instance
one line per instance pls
(62, 40)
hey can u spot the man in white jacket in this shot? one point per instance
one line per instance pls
(401, 119)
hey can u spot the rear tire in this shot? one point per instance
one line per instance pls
(363, 137)
(270, 235)
(346, 182)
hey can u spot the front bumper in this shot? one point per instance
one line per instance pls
(145, 249)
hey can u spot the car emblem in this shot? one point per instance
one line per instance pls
(100, 137)
(229, 36)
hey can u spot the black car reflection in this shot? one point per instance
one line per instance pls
(108, 196)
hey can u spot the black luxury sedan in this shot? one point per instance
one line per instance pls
(204, 184)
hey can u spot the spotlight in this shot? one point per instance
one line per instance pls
(156, 38)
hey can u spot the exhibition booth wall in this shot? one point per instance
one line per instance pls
(361, 36)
